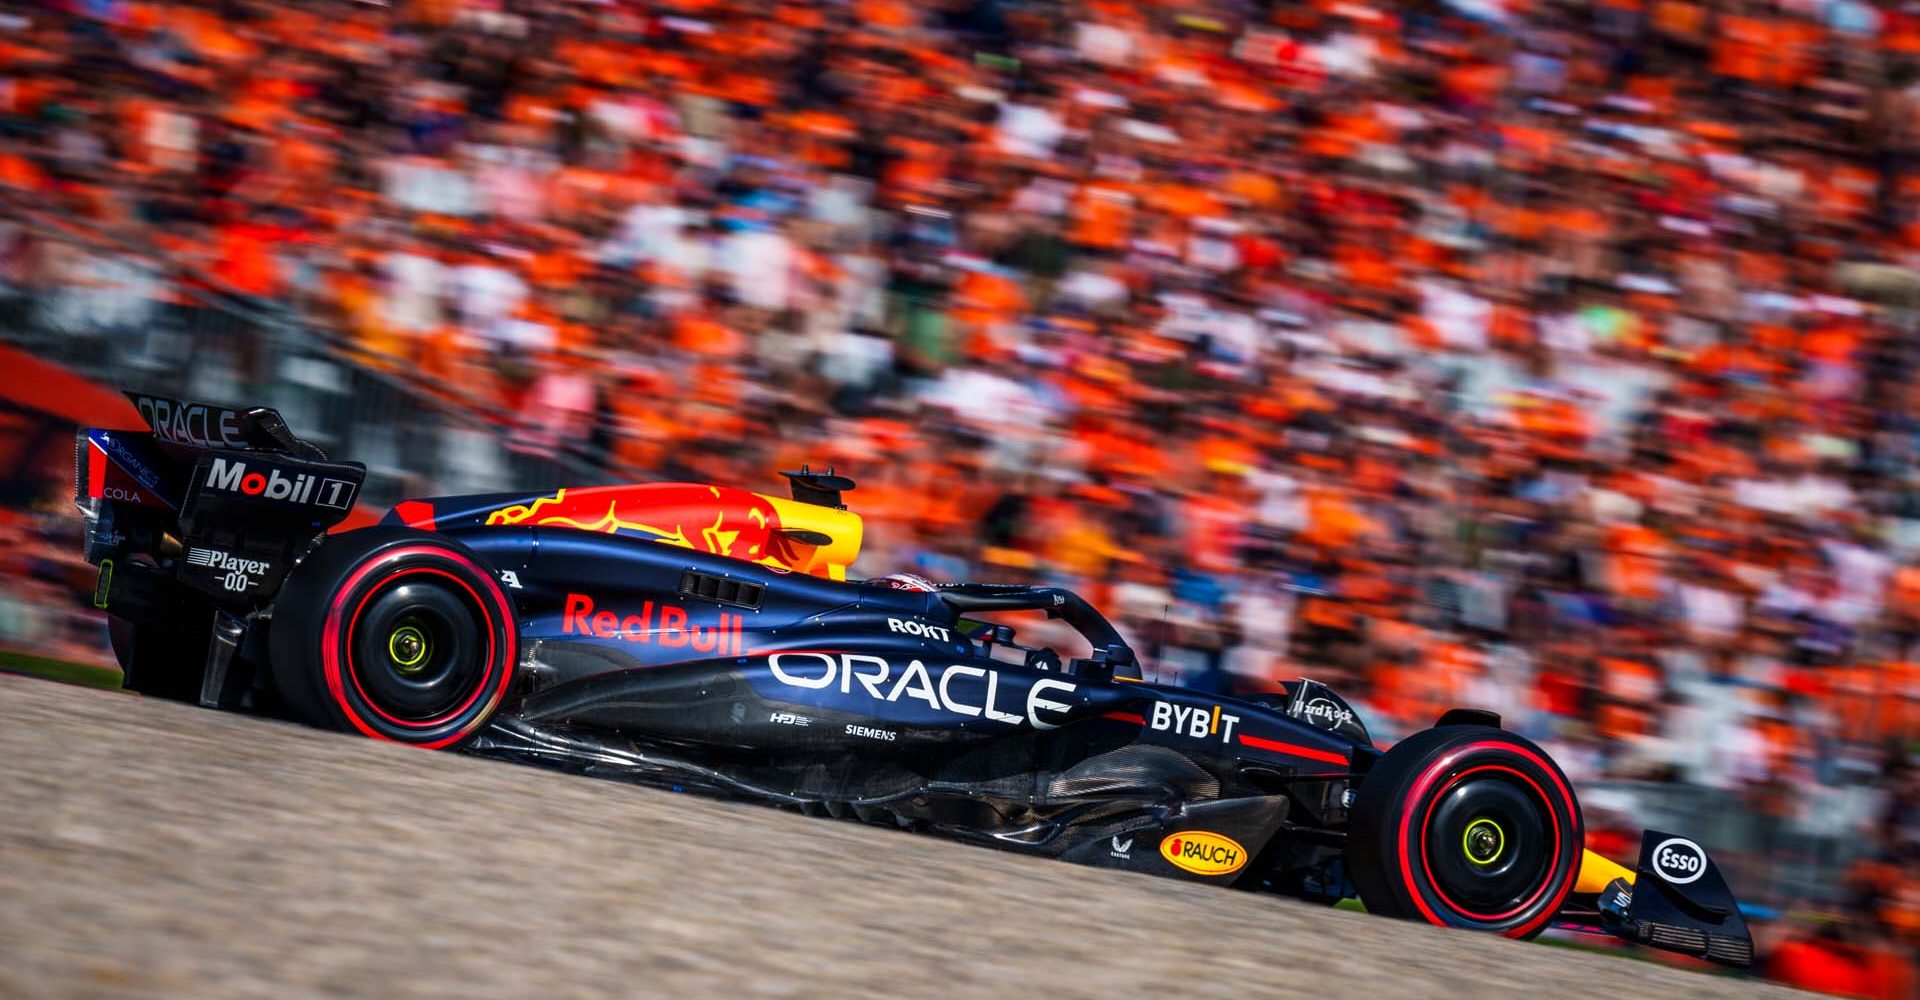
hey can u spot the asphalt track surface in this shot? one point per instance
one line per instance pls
(152, 849)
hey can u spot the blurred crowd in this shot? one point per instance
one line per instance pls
(1548, 356)
(40, 574)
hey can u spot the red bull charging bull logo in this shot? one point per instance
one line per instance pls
(719, 520)
(724, 522)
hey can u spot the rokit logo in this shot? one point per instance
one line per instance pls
(1679, 860)
(911, 627)
(1322, 712)
(876, 676)
(301, 487)
(234, 573)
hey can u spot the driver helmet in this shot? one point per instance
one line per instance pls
(904, 581)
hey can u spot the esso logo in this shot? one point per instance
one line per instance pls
(1679, 860)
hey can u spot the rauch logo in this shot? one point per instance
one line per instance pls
(1203, 853)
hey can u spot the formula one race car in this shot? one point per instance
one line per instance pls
(707, 637)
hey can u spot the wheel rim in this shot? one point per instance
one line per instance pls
(1490, 844)
(1484, 842)
(415, 657)
(410, 647)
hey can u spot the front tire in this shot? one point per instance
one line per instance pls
(1466, 826)
(396, 634)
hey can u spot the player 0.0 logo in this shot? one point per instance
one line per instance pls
(234, 573)
(1679, 860)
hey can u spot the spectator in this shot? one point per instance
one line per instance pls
(1534, 354)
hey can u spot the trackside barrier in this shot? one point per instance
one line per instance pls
(125, 318)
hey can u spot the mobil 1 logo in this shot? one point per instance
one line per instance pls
(258, 478)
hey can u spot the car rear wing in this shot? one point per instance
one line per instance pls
(225, 500)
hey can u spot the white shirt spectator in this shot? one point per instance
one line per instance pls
(1505, 686)
(1458, 316)
(486, 295)
(1106, 44)
(1029, 130)
(1093, 288)
(1282, 503)
(760, 263)
(855, 359)
(509, 182)
(1805, 496)
(649, 232)
(1212, 248)
(1347, 54)
(415, 284)
(1710, 613)
(1862, 575)
(528, 336)
(987, 398)
(172, 139)
(422, 184)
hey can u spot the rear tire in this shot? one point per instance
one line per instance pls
(1466, 826)
(396, 634)
(159, 662)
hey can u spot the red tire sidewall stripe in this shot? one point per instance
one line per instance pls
(1426, 780)
(1427, 814)
(331, 633)
(353, 674)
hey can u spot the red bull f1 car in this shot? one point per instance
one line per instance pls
(708, 638)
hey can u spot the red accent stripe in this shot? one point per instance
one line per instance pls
(96, 469)
(1296, 750)
(1138, 720)
(415, 514)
